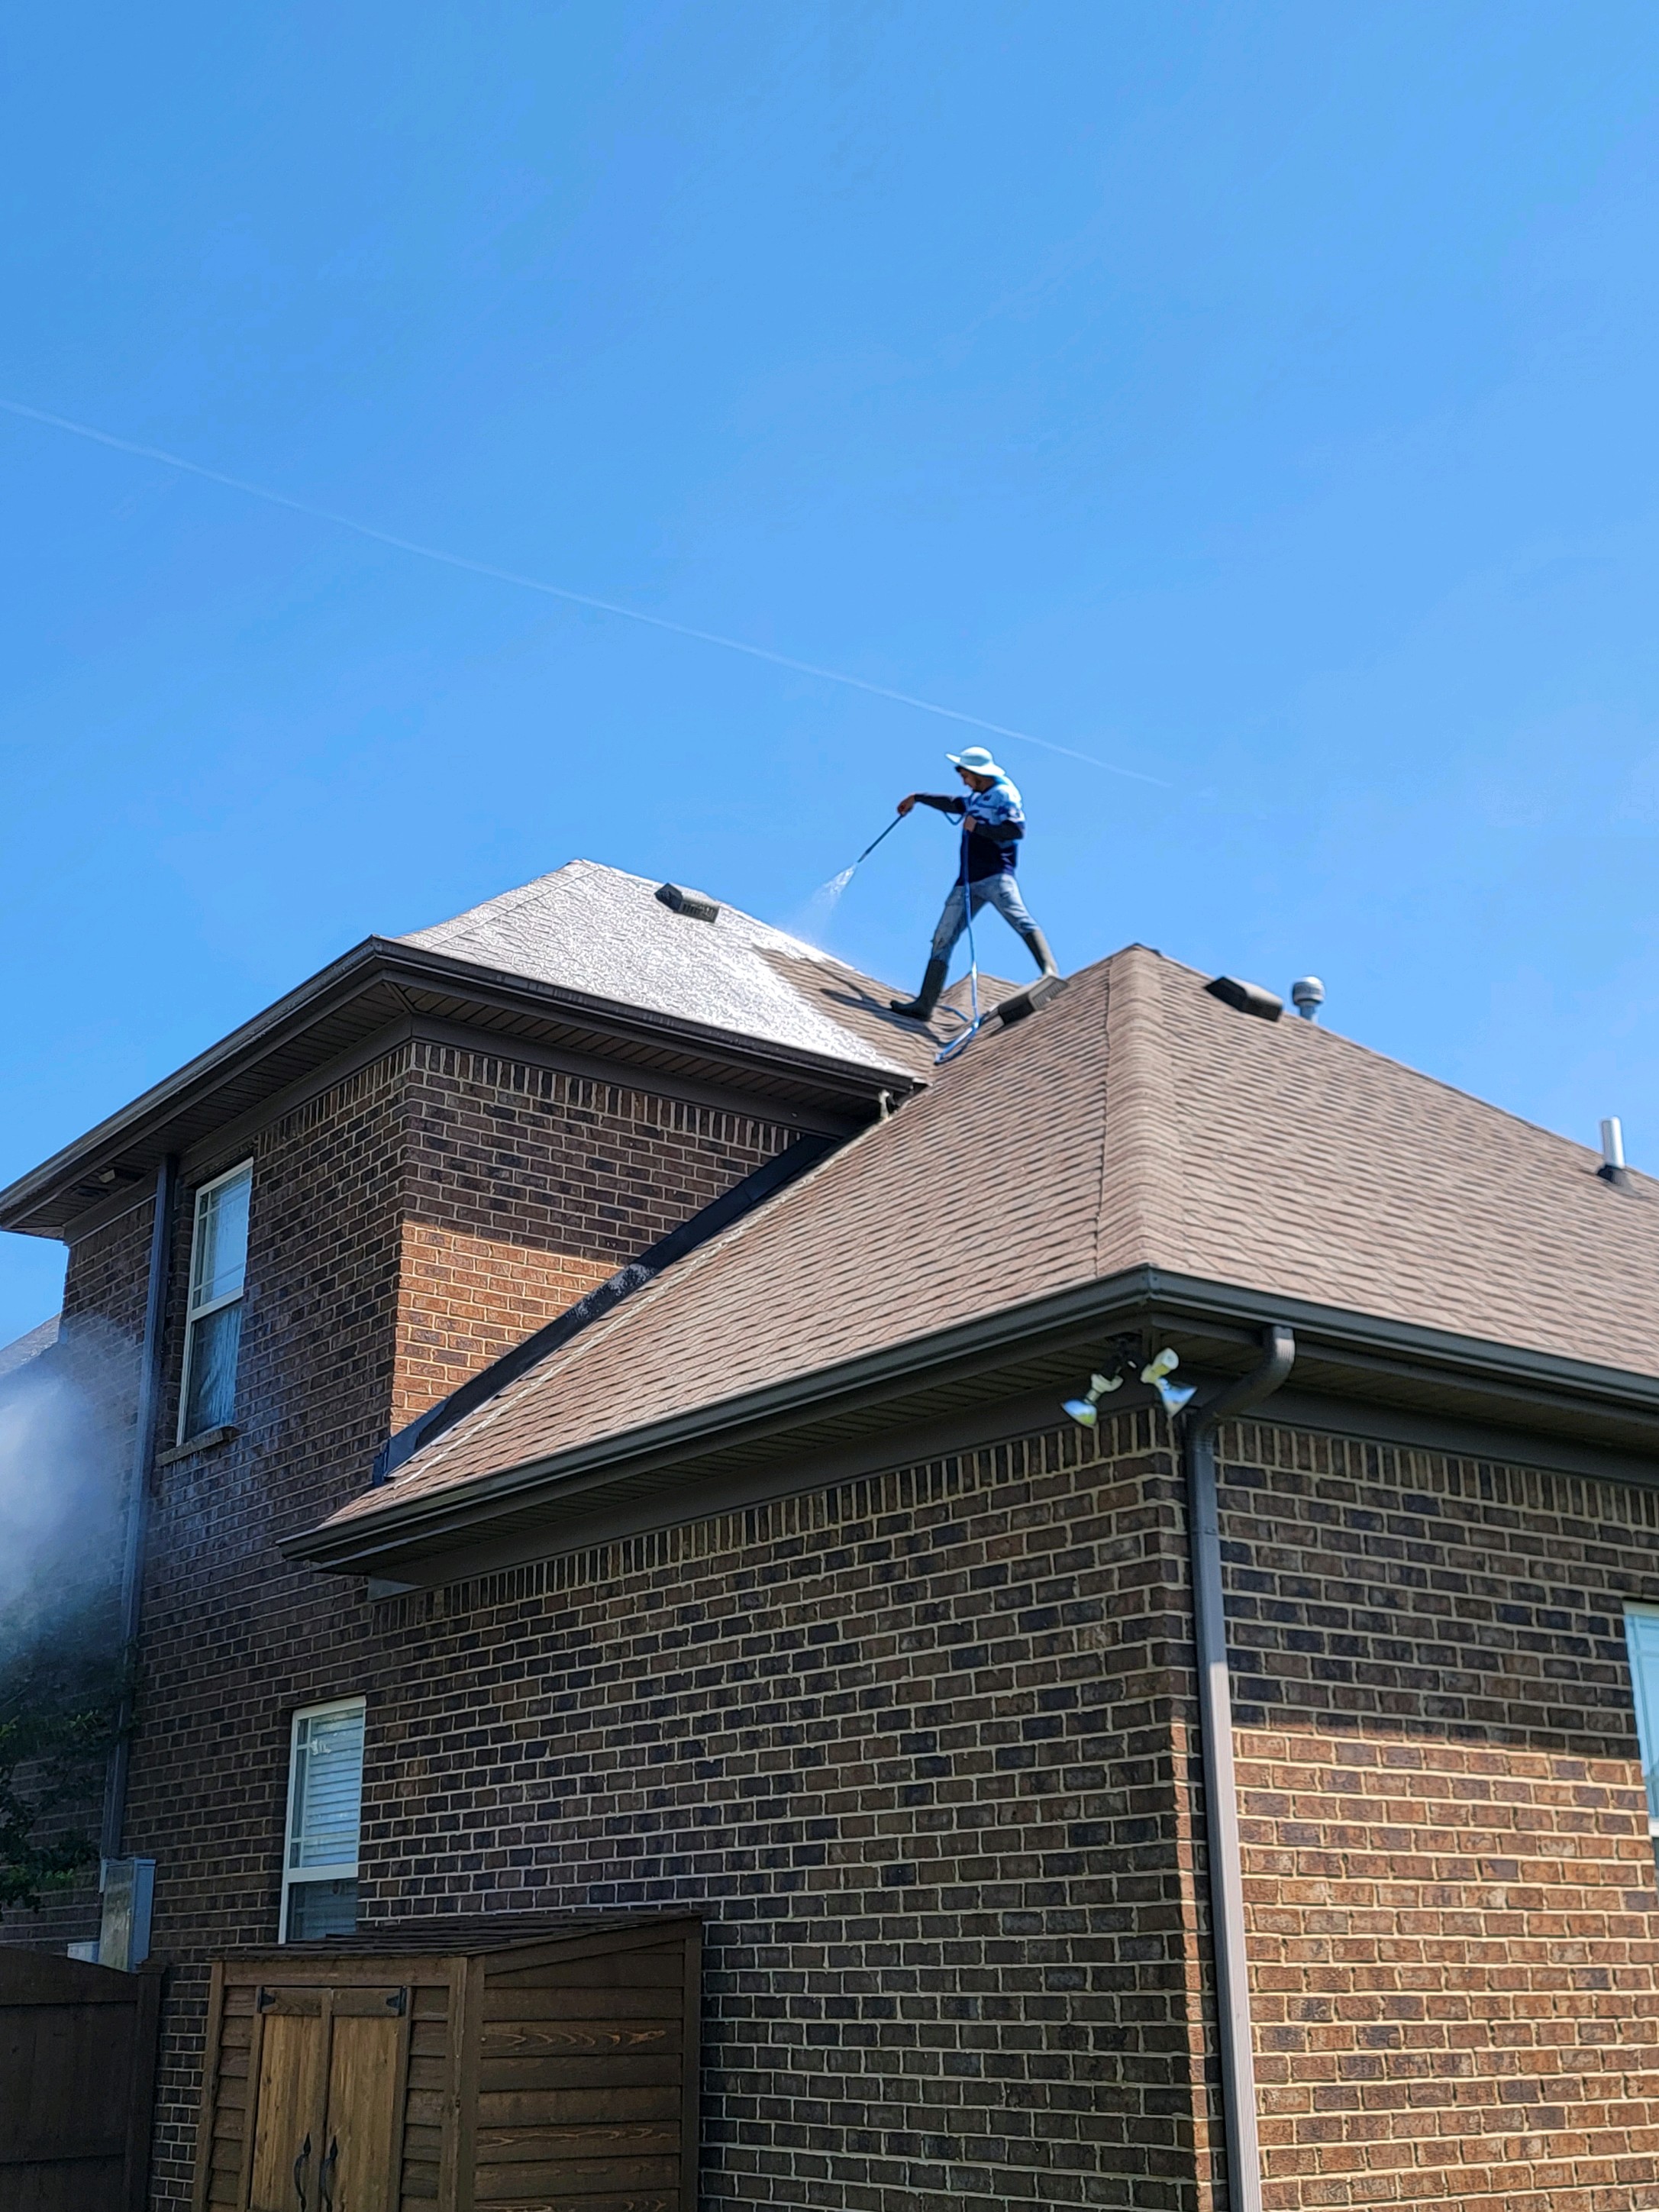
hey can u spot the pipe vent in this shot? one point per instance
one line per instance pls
(1613, 1169)
(692, 904)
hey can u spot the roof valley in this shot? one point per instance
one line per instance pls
(1141, 1199)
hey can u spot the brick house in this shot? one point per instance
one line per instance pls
(1228, 1807)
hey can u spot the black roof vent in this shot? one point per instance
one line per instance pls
(1246, 998)
(1022, 1003)
(691, 903)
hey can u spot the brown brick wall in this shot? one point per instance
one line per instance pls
(436, 1153)
(233, 1637)
(1454, 1906)
(462, 1300)
(108, 1271)
(528, 1186)
(908, 1743)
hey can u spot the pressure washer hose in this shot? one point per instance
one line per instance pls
(961, 1041)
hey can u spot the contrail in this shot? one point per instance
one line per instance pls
(558, 591)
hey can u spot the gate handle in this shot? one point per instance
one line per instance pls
(300, 2165)
(325, 2175)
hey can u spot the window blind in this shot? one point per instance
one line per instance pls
(328, 1790)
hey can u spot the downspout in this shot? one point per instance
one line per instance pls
(143, 1465)
(1198, 1432)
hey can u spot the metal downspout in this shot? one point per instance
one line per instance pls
(143, 1462)
(1197, 1431)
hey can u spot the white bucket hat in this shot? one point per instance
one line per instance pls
(975, 760)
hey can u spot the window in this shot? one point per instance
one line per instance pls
(213, 1330)
(1642, 1639)
(325, 1799)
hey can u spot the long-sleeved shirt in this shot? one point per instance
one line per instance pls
(994, 821)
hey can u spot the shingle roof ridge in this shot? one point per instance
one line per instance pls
(499, 901)
(1140, 1182)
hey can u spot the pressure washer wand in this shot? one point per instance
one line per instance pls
(825, 896)
(874, 842)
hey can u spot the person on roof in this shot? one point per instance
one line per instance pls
(993, 823)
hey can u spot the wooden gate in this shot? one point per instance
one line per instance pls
(77, 2074)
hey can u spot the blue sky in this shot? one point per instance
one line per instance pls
(1258, 398)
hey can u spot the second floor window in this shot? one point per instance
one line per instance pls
(213, 1331)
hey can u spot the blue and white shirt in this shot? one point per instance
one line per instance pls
(994, 821)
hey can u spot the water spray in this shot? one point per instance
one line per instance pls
(826, 896)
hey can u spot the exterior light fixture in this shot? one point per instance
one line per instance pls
(1084, 1411)
(1157, 1371)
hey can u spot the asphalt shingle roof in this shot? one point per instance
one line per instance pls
(1135, 1121)
(606, 933)
(21, 1349)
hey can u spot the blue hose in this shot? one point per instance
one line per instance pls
(961, 1041)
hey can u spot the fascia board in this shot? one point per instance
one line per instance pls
(1515, 1380)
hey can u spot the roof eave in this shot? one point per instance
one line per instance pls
(132, 1140)
(993, 1353)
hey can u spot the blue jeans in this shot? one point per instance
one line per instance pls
(1001, 891)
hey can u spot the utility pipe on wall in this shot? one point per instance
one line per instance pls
(143, 1463)
(1197, 1431)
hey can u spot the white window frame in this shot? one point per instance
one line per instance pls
(194, 1313)
(1644, 1690)
(342, 1870)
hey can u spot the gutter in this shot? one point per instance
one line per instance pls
(1550, 1392)
(1197, 1431)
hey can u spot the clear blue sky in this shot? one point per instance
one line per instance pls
(1261, 397)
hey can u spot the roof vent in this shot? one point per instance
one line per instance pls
(692, 904)
(1308, 996)
(1613, 1169)
(1020, 1004)
(1246, 998)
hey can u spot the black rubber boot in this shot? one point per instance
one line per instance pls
(1038, 945)
(921, 1008)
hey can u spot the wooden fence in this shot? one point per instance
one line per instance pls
(77, 2072)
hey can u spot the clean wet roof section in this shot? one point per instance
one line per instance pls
(607, 935)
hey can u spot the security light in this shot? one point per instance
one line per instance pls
(1157, 1371)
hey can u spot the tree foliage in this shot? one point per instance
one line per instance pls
(60, 1704)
